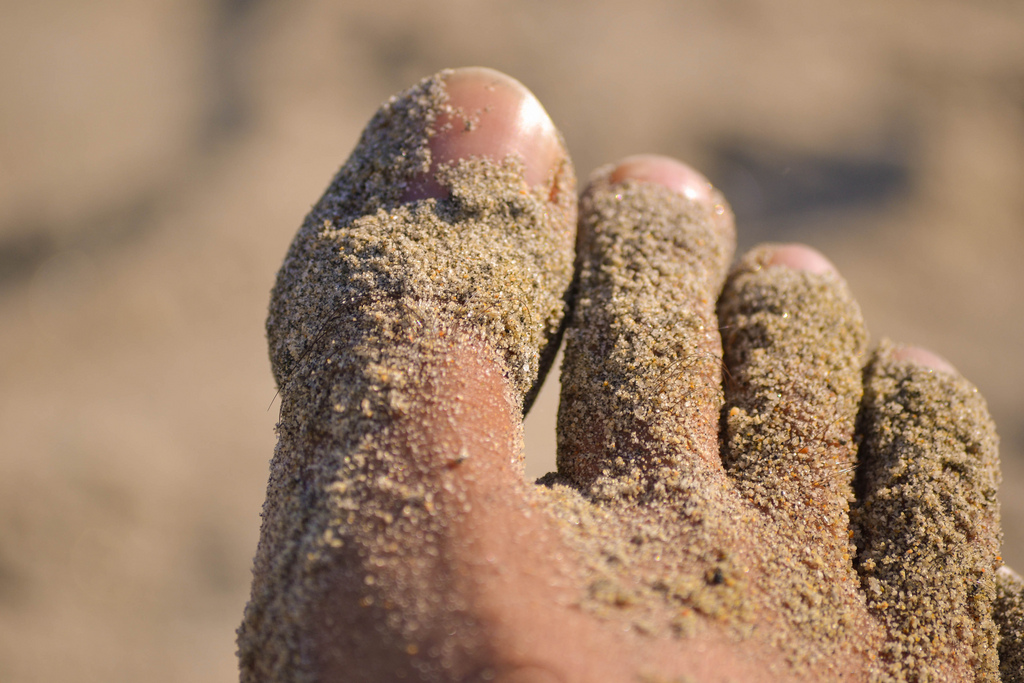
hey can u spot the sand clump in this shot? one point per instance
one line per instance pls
(795, 342)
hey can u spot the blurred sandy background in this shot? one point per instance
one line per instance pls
(156, 157)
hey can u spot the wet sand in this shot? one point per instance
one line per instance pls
(927, 517)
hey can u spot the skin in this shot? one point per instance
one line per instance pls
(508, 565)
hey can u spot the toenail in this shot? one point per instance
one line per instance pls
(675, 175)
(800, 257)
(923, 357)
(490, 114)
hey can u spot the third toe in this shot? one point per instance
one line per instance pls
(793, 342)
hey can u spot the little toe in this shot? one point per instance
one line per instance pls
(793, 342)
(641, 382)
(409, 325)
(927, 519)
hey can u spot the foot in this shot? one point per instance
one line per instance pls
(732, 494)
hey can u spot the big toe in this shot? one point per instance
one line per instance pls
(415, 313)
(458, 200)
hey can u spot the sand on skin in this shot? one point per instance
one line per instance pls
(373, 295)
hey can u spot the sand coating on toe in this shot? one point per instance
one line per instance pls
(641, 380)
(927, 521)
(1008, 610)
(795, 343)
(376, 296)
